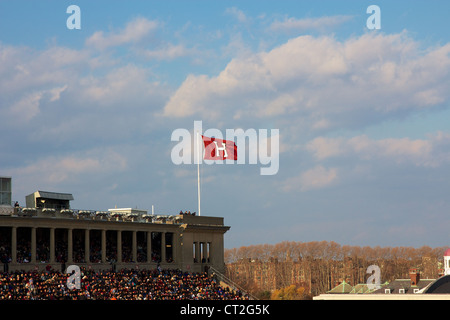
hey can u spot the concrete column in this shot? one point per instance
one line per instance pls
(103, 246)
(175, 241)
(149, 246)
(119, 246)
(202, 252)
(134, 246)
(52, 245)
(14, 244)
(86, 245)
(197, 251)
(163, 247)
(33, 245)
(69, 246)
(207, 253)
(210, 250)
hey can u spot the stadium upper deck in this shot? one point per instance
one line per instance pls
(35, 238)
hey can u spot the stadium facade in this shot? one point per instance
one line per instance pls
(47, 233)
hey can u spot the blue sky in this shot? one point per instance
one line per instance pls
(363, 114)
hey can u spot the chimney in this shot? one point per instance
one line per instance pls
(414, 275)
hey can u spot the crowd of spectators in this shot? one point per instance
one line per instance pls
(187, 213)
(61, 254)
(108, 285)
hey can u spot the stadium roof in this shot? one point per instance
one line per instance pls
(53, 195)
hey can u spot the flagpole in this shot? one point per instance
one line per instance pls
(198, 172)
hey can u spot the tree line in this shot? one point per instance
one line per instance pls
(316, 267)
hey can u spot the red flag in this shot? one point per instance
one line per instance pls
(218, 149)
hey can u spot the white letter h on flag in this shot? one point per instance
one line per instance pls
(225, 154)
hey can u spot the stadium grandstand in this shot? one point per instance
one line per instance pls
(123, 253)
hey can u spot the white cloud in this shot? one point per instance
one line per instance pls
(323, 148)
(315, 178)
(77, 97)
(321, 23)
(24, 70)
(56, 93)
(135, 31)
(238, 14)
(125, 83)
(431, 152)
(324, 82)
(26, 108)
(168, 52)
(53, 170)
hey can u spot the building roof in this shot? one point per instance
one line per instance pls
(53, 195)
(364, 288)
(128, 210)
(343, 287)
(447, 253)
(399, 289)
(424, 285)
(440, 285)
(404, 284)
(360, 288)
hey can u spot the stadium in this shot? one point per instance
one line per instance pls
(123, 253)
